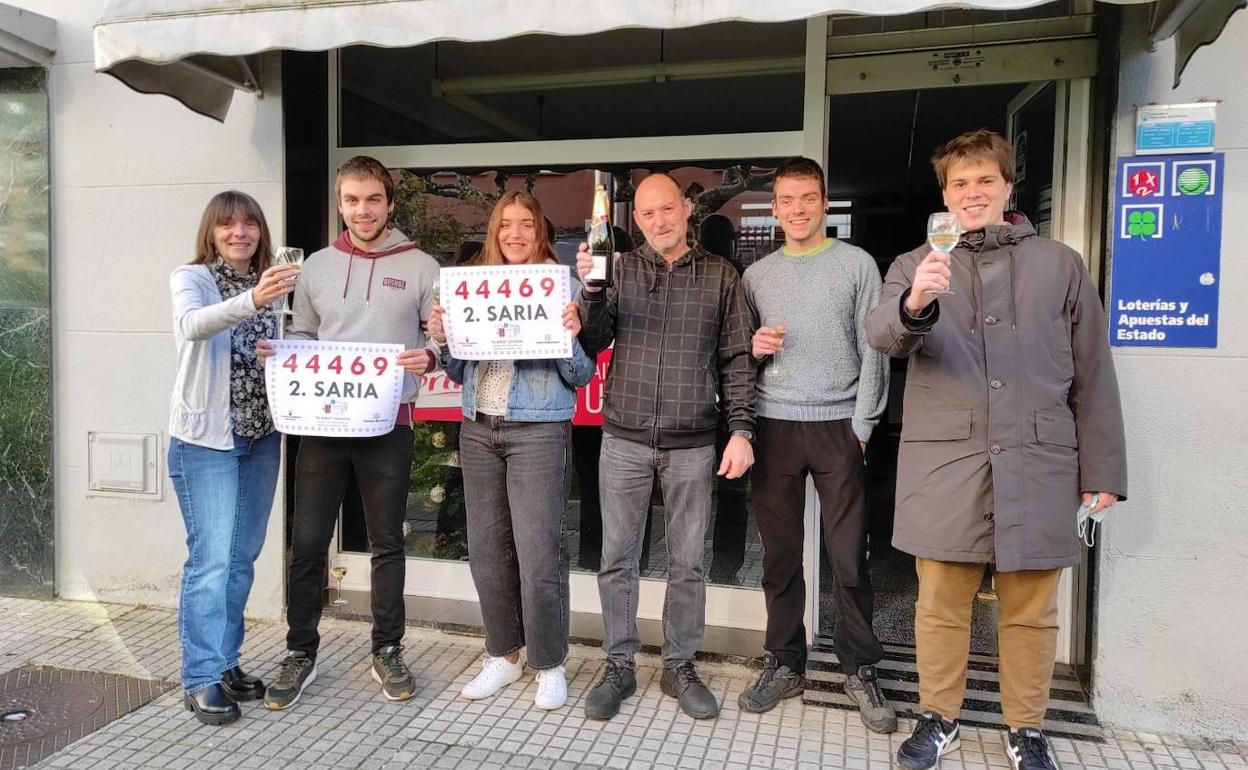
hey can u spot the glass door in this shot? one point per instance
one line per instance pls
(1049, 126)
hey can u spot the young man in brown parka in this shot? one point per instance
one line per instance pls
(1012, 420)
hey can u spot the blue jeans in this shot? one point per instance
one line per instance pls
(225, 498)
(626, 476)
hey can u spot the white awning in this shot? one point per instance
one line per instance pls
(196, 50)
(26, 39)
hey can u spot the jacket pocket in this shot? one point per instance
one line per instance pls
(1055, 426)
(188, 421)
(950, 425)
(709, 390)
(534, 383)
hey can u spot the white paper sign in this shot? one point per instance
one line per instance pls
(345, 389)
(506, 311)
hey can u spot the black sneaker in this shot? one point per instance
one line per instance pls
(932, 738)
(864, 689)
(774, 685)
(683, 684)
(389, 671)
(297, 672)
(1028, 749)
(617, 683)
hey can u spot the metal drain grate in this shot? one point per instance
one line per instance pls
(44, 709)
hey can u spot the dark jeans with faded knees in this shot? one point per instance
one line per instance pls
(786, 452)
(382, 466)
(516, 481)
(626, 478)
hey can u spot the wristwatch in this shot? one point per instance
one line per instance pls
(748, 435)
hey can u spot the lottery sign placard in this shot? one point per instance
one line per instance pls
(506, 311)
(343, 389)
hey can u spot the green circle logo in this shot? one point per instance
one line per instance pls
(1193, 180)
(1142, 223)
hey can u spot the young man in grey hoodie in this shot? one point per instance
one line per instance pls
(371, 285)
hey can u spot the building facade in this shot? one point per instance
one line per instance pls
(108, 184)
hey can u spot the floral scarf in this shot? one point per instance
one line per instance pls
(249, 406)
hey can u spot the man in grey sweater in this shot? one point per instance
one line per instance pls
(821, 391)
(371, 285)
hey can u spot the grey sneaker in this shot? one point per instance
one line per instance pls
(297, 672)
(864, 689)
(683, 684)
(389, 671)
(774, 685)
(617, 683)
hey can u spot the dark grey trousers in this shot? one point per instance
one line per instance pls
(516, 483)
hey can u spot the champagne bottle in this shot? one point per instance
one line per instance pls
(601, 242)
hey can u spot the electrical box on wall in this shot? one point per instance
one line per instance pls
(123, 464)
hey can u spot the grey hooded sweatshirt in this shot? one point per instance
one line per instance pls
(348, 295)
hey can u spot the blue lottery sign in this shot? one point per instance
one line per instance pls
(1167, 249)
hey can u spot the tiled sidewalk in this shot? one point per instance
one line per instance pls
(343, 722)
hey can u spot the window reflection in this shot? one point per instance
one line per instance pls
(446, 213)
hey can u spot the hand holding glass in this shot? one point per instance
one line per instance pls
(780, 329)
(943, 233)
(287, 255)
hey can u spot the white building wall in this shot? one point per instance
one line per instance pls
(131, 174)
(1172, 598)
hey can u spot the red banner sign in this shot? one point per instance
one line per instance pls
(440, 399)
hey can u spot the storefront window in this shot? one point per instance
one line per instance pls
(444, 210)
(714, 79)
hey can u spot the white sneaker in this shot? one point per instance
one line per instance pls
(552, 688)
(496, 673)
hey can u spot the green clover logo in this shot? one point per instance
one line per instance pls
(1142, 222)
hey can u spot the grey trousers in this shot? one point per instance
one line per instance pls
(516, 481)
(626, 475)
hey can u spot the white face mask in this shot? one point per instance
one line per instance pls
(1087, 521)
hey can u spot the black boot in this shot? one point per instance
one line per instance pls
(242, 687)
(212, 705)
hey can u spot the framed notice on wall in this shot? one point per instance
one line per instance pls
(506, 311)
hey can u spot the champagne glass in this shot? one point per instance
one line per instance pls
(781, 328)
(287, 255)
(338, 571)
(943, 233)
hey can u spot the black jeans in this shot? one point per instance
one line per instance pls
(382, 466)
(829, 452)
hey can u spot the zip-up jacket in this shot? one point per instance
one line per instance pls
(682, 348)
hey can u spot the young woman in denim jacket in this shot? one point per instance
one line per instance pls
(515, 447)
(223, 450)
